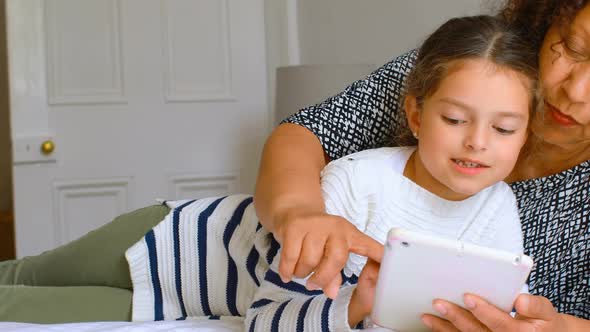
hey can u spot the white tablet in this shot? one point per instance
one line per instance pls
(417, 268)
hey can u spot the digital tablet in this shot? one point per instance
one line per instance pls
(417, 268)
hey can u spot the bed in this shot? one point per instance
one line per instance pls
(200, 325)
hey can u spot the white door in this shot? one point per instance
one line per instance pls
(142, 99)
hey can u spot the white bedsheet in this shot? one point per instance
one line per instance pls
(200, 325)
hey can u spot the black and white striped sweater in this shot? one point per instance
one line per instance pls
(223, 269)
(211, 257)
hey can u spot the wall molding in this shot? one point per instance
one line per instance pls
(65, 191)
(57, 93)
(187, 186)
(174, 92)
(293, 41)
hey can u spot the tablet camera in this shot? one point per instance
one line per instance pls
(516, 260)
(405, 244)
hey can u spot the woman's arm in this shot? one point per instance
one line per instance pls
(288, 198)
(289, 176)
(365, 115)
(289, 203)
(575, 324)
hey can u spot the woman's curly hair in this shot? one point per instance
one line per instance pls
(535, 17)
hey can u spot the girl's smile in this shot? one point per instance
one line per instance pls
(469, 167)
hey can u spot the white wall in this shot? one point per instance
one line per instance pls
(277, 47)
(302, 32)
(371, 31)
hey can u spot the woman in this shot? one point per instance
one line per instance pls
(550, 180)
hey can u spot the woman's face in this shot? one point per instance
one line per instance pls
(564, 62)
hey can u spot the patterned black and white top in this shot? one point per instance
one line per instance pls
(554, 210)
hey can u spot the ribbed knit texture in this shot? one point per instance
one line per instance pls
(182, 267)
(368, 188)
(210, 257)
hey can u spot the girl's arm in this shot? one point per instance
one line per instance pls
(290, 204)
(289, 306)
(294, 305)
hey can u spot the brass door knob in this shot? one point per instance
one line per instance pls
(47, 147)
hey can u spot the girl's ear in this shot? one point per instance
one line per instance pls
(412, 113)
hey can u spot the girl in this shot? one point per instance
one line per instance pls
(468, 103)
(551, 184)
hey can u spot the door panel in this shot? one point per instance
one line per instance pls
(143, 99)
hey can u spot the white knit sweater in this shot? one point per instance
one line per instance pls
(210, 257)
(368, 189)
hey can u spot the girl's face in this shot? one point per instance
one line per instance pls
(564, 62)
(470, 130)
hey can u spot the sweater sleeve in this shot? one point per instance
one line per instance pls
(365, 115)
(279, 306)
(349, 191)
(509, 234)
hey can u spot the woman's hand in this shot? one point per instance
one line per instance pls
(534, 314)
(320, 243)
(363, 296)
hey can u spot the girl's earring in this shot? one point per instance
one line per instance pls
(415, 135)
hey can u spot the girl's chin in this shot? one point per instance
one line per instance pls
(461, 193)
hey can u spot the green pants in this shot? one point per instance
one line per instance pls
(85, 280)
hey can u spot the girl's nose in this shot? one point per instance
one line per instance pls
(477, 139)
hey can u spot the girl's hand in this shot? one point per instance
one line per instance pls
(363, 296)
(320, 243)
(534, 314)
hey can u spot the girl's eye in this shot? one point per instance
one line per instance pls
(504, 131)
(452, 121)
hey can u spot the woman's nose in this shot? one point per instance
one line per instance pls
(577, 85)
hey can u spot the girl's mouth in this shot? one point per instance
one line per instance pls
(467, 163)
(469, 167)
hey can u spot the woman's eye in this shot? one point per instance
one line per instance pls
(573, 51)
(504, 131)
(452, 121)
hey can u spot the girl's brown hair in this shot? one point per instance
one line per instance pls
(469, 38)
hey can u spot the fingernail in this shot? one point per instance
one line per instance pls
(469, 302)
(284, 280)
(311, 286)
(426, 321)
(440, 308)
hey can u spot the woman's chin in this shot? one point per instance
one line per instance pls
(549, 133)
(559, 138)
